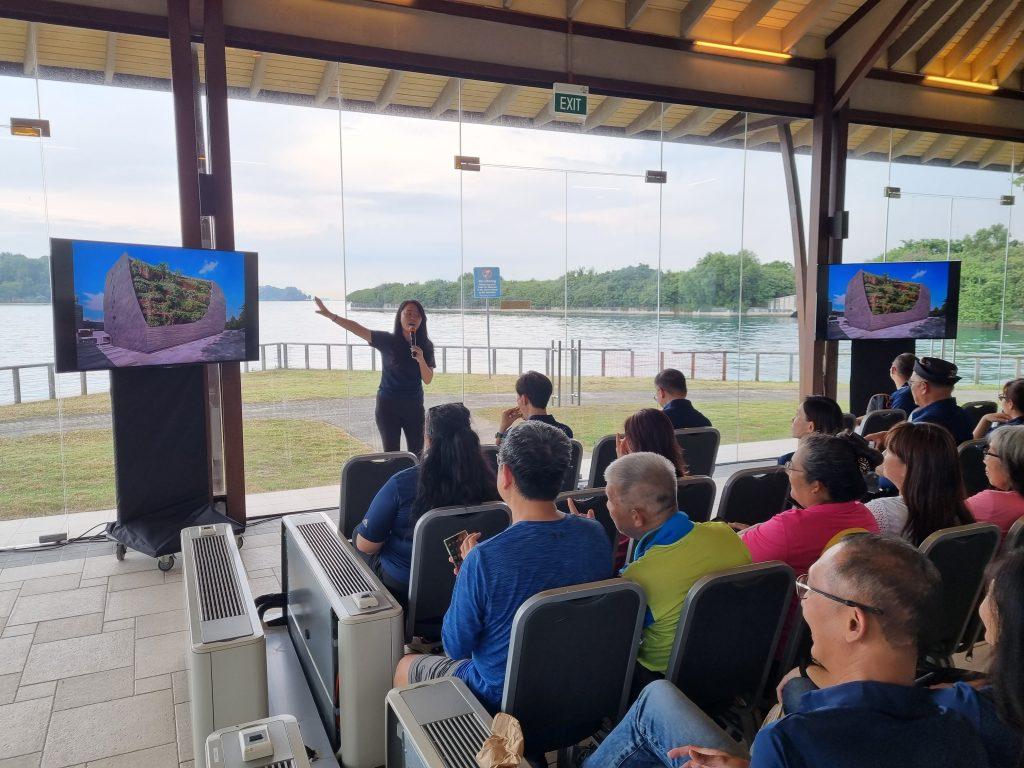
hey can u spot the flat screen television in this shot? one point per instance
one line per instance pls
(118, 305)
(888, 300)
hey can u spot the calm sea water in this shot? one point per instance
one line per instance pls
(26, 337)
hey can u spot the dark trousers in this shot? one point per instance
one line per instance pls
(397, 415)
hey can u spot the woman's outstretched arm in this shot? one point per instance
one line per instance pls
(349, 325)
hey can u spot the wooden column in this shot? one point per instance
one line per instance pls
(796, 225)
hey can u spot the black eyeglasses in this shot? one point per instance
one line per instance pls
(986, 451)
(804, 588)
(1002, 397)
(788, 466)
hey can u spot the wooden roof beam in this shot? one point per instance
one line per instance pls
(972, 38)
(1010, 62)
(645, 119)
(919, 29)
(31, 61)
(734, 129)
(691, 14)
(692, 123)
(572, 7)
(804, 136)
(604, 112)
(988, 55)
(444, 99)
(545, 116)
(746, 22)
(957, 20)
(991, 154)
(937, 147)
(875, 141)
(801, 24)
(259, 69)
(388, 90)
(501, 102)
(907, 143)
(328, 83)
(969, 148)
(110, 65)
(633, 10)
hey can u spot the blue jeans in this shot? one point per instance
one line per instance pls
(660, 720)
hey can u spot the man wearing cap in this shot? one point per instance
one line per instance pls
(931, 385)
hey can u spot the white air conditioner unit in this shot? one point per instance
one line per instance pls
(348, 633)
(274, 742)
(227, 659)
(436, 724)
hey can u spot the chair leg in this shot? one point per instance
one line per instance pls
(564, 758)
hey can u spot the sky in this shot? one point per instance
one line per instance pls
(92, 261)
(933, 274)
(335, 200)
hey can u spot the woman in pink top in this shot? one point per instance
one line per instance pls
(1004, 466)
(826, 480)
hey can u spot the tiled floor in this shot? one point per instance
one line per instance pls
(92, 657)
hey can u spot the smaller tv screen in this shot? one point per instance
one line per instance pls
(888, 300)
(118, 305)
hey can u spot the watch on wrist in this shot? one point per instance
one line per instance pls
(499, 435)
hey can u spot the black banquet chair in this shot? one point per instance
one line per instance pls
(695, 495)
(754, 495)
(1015, 536)
(490, 452)
(572, 475)
(361, 478)
(978, 408)
(602, 455)
(972, 465)
(595, 499)
(881, 420)
(700, 449)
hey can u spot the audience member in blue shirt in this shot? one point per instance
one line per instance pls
(542, 549)
(932, 384)
(816, 414)
(900, 372)
(867, 601)
(1010, 414)
(453, 473)
(670, 392)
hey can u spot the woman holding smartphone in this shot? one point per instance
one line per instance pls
(407, 356)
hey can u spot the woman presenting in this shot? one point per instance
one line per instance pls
(408, 363)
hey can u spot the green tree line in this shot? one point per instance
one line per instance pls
(713, 282)
(23, 279)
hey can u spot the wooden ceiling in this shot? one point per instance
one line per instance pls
(87, 55)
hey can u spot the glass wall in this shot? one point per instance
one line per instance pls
(106, 172)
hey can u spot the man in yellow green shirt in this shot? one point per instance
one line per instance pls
(671, 551)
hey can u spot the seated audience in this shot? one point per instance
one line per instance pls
(670, 393)
(900, 371)
(815, 414)
(920, 459)
(670, 553)
(825, 479)
(932, 384)
(453, 472)
(649, 430)
(1003, 503)
(533, 391)
(542, 549)
(1011, 413)
(867, 602)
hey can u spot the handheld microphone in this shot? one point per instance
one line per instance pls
(413, 344)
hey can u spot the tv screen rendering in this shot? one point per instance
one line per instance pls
(118, 305)
(888, 300)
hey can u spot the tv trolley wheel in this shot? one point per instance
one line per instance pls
(239, 540)
(165, 563)
(119, 551)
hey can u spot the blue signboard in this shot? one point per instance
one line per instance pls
(486, 283)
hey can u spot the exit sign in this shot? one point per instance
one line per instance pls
(569, 100)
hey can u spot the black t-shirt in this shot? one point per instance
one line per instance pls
(547, 418)
(400, 373)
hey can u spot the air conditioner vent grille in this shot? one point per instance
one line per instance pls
(457, 739)
(219, 596)
(344, 574)
(282, 764)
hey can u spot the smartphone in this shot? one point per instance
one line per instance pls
(454, 546)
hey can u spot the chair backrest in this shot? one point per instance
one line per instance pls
(961, 554)
(700, 449)
(595, 499)
(490, 452)
(695, 495)
(754, 495)
(361, 478)
(728, 633)
(570, 661)
(877, 402)
(972, 465)
(881, 420)
(602, 455)
(431, 577)
(978, 408)
(572, 475)
(1015, 536)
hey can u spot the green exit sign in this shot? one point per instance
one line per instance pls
(569, 100)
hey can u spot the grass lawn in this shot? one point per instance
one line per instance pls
(281, 454)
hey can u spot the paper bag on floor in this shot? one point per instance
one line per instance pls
(504, 747)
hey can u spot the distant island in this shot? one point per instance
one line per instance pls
(24, 280)
(291, 293)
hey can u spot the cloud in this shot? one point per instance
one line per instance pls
(920, 273)
(839, 298)
(208, 266)
(93, 301)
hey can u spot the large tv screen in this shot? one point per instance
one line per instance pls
(121, 304)
(888, 300)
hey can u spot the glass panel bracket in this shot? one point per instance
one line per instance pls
(467, 163)
(656, 177)
(893, 193)
(1007, 200)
